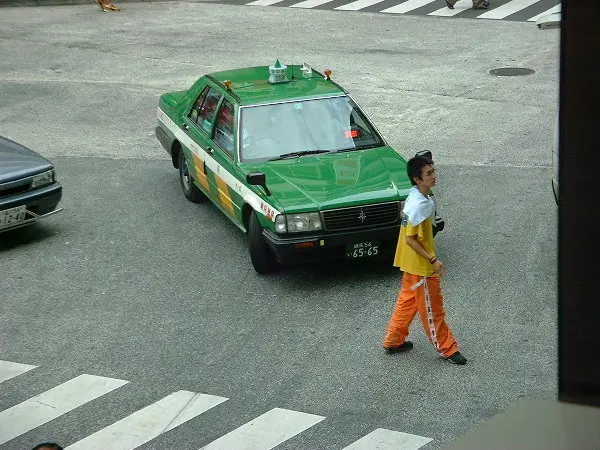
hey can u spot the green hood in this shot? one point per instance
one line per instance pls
(335, 180)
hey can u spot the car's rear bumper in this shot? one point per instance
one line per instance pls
(39, 203)
(163, 138)
(324, 246)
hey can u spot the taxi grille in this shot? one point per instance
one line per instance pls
(358, 217)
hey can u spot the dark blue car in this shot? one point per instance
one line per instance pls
(28, 187)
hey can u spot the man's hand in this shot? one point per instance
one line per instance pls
(439, 268)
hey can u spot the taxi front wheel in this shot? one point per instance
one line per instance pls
(191, 192)
(260, 255)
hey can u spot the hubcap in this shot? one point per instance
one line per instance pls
(185, 176)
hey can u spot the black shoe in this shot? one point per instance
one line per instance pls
(401, 348)
(449, 5)
(457, 358)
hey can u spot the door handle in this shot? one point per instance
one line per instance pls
(186, 127)
(210, 150)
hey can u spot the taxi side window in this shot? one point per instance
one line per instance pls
(205, 107)
(224, 127)
(193, 115)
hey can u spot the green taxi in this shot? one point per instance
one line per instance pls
(288, 156)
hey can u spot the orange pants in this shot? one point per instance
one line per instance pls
(428, 300)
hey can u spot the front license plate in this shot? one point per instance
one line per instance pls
(362, 249)
(12, 216)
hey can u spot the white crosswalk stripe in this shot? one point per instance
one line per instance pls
(263, 2)
(358, 5)
(459, 6)
(310, 3)
(545, 13)
(507, 9)
(142, 426)
(53, 403)
(10, 369)
(266, 431)
(382, 439)
(149, 422)
(406, 6)
(500, 11)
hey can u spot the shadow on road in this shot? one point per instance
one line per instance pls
(20, 237)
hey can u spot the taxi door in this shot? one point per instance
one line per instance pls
(198, 124)
(222, 172)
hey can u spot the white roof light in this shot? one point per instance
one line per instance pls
(277, 73)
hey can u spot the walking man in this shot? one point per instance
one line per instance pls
(415, 256)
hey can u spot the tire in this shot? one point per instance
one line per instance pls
(191, 192)
(260, 254)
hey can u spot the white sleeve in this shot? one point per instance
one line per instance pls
(417, 209)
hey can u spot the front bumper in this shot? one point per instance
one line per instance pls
(39, 203)
(295, 249)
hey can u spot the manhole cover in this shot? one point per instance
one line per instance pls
(511, 71)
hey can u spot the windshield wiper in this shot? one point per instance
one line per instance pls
(360, 147)
(297, 154)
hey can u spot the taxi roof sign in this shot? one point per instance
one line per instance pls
(278, 73)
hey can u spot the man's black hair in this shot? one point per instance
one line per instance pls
(415, 165)
(48, 445)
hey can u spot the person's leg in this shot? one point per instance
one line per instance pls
(431, 309)
(403, 315)
(100, 3)
(481, 4)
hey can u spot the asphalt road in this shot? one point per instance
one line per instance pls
(131, 281)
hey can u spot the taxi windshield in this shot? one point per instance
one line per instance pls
(298, 128)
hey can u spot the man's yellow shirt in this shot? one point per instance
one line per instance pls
(406, 258)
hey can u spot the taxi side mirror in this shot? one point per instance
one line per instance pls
(258, 179)
(439, 225)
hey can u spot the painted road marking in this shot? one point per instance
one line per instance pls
(459, 6)
(358, 4)
(10, 369)
(266, 431)
(262, 433)
(407, 6)
(553, 10)
(382, 439)
(53, 403)
(494, 12)
(263, 2)
(502, 11)
(310, 3)
(146, 424)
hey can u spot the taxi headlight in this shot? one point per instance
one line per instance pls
(43, 179)
(280, 226)
(297, 223)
